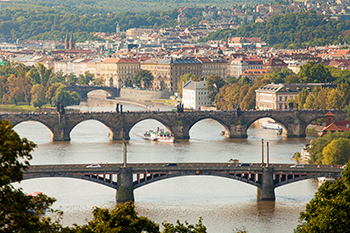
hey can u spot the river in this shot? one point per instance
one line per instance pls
(226, 205)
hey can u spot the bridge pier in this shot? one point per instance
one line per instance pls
(125, 185)
(181, 131)
(267, 190)
(238, 131)
(60, 131)
(296, 129)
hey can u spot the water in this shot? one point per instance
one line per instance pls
(224, 204)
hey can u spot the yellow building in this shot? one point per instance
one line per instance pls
(114, 69)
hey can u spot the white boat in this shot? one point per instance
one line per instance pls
(271, 125)
(160, 136)
(150, 135)
(324, 179)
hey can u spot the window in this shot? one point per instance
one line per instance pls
(285, 98)
(280, 98)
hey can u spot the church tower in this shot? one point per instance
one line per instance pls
(118, 30)
(66, 41)
(71, 43)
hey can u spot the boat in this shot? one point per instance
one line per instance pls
(160, 136)
(324, 179)
(271, 125)
(150, 135)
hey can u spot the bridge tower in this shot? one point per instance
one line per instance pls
(125, 181)
(267, 190)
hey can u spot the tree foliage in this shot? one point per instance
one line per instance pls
(18, 212)
(143, 78)
(330, 148)
(292, 30)
(329, 210)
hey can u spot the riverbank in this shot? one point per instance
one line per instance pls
(24, 108)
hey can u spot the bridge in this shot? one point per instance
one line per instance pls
(125, 179)
(235, 123)
(82, 91)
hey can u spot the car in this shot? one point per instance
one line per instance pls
(170, 165)
(93, 165)
(297, 166)
(244, 165)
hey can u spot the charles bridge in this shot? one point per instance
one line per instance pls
(235, 123)
(82, 91)
(125, 178)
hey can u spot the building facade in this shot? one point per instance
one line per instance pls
(194, 95)
(275, 96)
(114, 70)
(241, 64)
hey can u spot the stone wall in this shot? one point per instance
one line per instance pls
(129, 93)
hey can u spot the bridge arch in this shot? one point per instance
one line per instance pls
(102, 122)
(161, 121)
(19, 123)
(303, 177)
(279, 121)
(174, 175)
(218, 120)
(93, 178)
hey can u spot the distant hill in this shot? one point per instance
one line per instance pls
(113, 6)
(293, 30)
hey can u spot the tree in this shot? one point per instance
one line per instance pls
(86, 78)
(312, 73)
(38, 95)
(336, 152)
(184, 228)
(40, 74)
(72, 79)
(329, 210)
(16, 209)
(64, 97)
(143, 78)
(122, 219)
(214, 83)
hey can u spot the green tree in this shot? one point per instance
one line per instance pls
(143, 78)
(336, 152)
(16, 209)
(58, 77)
(123, 218)
(184, 227)
(38, 95)
(64, 97)
(312, 73)
(214, 83)
(72, 79)
(329, 210)
(86, 78)
(301, 98)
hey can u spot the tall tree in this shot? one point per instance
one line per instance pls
(16, 209)
(38, 95)
(143, 78)
(329, 210)
(214, 83)
(312, 73)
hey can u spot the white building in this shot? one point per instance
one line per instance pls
(194, 95)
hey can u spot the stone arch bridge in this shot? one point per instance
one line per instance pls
(133, 176)
(235, 123)
(83, 91)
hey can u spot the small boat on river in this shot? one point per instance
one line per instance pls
(271, 125)
(160, 136)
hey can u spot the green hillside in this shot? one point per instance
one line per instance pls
(293, 30)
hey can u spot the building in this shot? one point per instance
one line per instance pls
(334, 126)
(115, 69)
(241, 64)
(213, 66)
(167, 71)
(252, 74)
(275, 96)
(194, 95)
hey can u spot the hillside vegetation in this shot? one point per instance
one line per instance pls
(293, 30)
